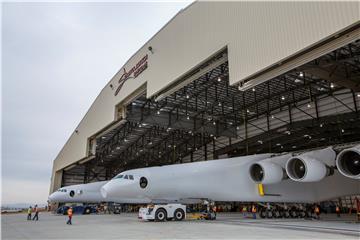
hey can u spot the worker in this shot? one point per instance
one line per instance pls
(253, 210)
(69, 213)
(214, 209)
(244, 211)
(317, 211)
(36, 215)
(337, 210)
(29, 211)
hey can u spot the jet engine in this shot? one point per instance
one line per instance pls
(312, 166)
(348, 162)
(269, 171)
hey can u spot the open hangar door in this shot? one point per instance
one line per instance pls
(202, 117)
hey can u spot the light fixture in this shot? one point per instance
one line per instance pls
(342, 130)
(133, 103)
(301, 74)
(125, 140)
(237, 128)
(214, 123)
(187, 96)
(219, 79)
(283, 98)
(321, 125)
(219, 104)
(247, 110)
(253, 89)
(358, 95)
(150, 143)
(332, 85)
(293, 146)
(188, 117)
(278, 144)
(158, 112)
(309, 105)
(272, 116)
(261, 142)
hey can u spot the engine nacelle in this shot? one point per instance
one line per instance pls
(348, 162)
(267, 172)
(311, 166)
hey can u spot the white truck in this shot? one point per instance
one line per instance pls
(162, 212)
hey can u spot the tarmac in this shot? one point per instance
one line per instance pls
(127, 226)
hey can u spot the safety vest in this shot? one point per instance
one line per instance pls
(317, 210)
(29, 210)
(253, 209)
(70, 212)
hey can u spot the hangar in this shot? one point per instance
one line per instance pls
(222, 80)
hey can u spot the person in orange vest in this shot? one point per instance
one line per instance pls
(69, 213)
(253, 210)
(317, 211)
(337, 210)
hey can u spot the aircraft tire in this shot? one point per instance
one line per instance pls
(286, 214)
(276, 214)
(87, 211)
(160, 215)
(179, 214)
(293, 214)
(262, 214)
(302, 214)
(269, 214)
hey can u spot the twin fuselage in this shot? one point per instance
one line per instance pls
(309, 177)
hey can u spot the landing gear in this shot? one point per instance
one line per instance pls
(283, 211)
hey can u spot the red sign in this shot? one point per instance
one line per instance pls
(133, 73)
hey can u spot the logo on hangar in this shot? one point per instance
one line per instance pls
(134, 72)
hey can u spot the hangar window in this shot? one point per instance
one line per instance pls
(131, 177)
(143, 182)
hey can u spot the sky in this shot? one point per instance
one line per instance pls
(56, 58)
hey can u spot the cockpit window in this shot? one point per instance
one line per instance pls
(118, 176)
(126, 177)
(131, 177)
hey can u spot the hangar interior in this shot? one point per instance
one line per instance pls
(202, 117)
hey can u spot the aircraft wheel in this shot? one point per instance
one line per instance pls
(276, 214)
(286, 214)
(302, 214)
(179, 214)
(87, 211)
(262, 214)
(160, 215)
(293, 214)
(269, 214)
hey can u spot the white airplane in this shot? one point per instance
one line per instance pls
(86, 193)
(80, 193)
(305, 178)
